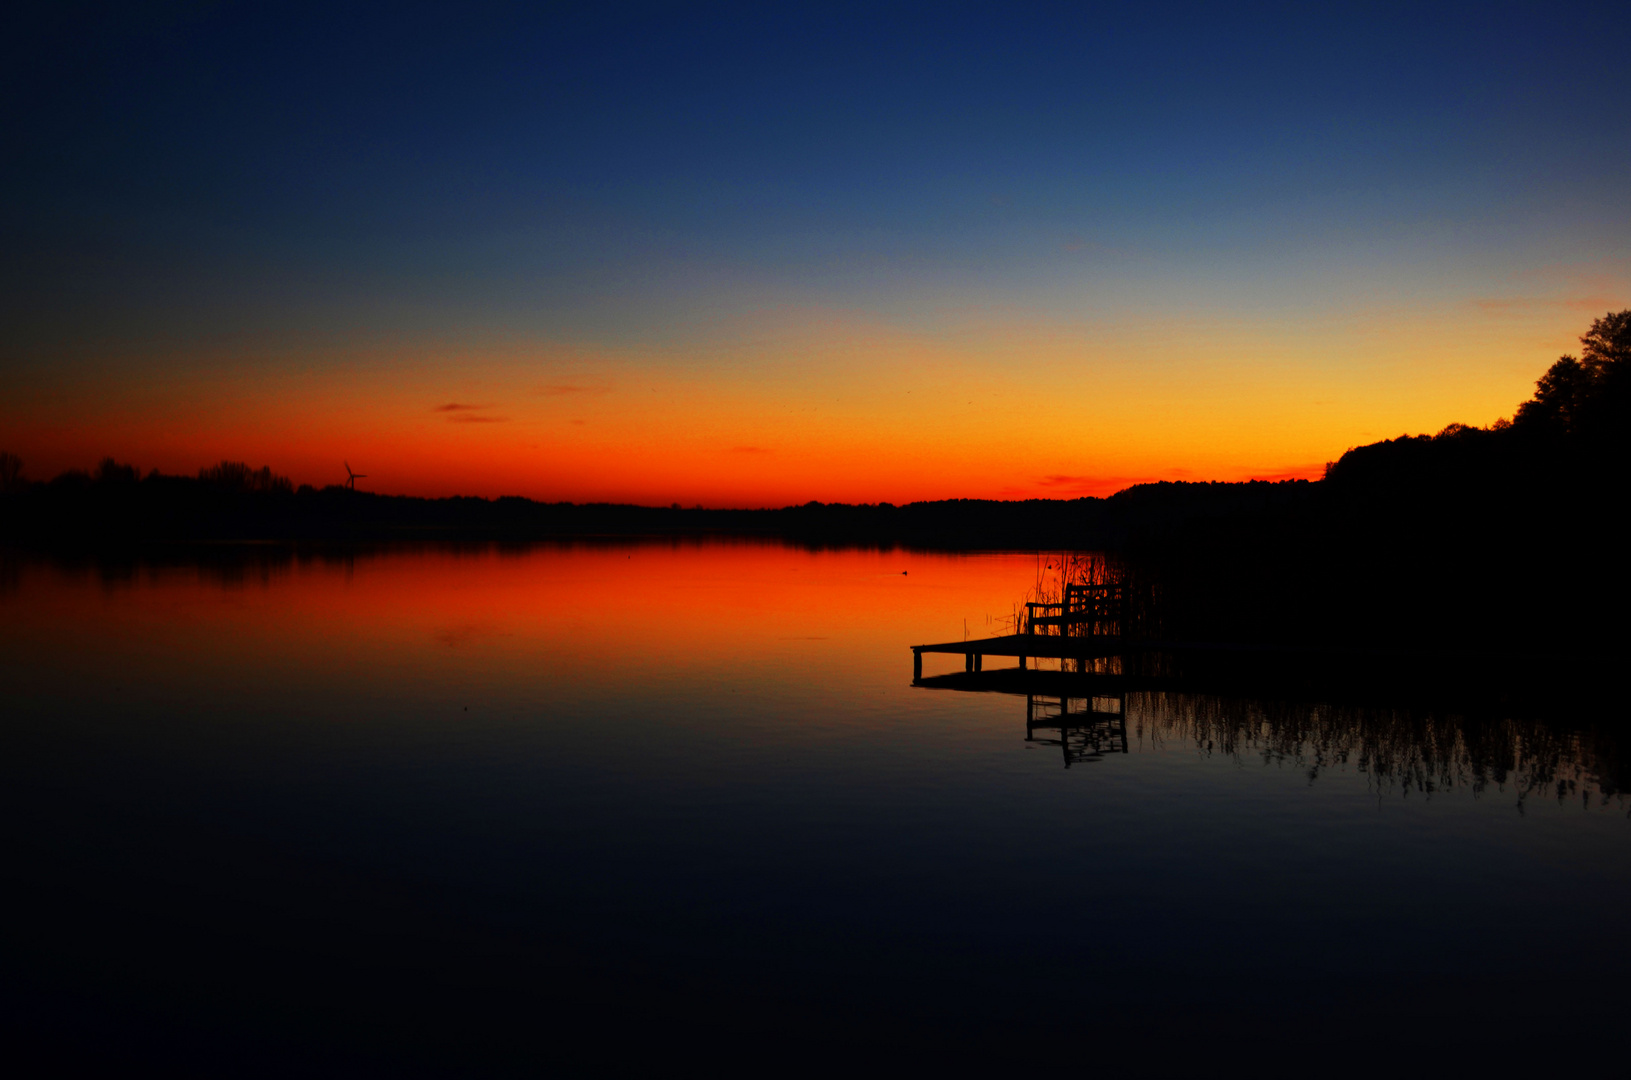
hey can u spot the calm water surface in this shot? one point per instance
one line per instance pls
(590, 807)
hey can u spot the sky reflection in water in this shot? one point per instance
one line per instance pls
(699, 773)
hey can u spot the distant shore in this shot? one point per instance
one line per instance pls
(162, 509)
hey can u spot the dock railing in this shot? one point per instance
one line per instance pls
(1086, 611)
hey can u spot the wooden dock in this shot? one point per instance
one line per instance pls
(1025, 647)
(1054, 647)
(1092, 623)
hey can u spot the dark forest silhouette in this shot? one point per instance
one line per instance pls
(1505, 535)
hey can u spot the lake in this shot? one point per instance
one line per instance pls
(597, 808)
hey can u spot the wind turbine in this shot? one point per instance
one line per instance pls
(351, 478)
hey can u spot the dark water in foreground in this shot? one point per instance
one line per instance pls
(625, 807)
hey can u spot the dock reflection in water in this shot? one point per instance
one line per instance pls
(1087, 728)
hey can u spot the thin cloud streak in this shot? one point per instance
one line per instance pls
(564, 389)
(1517, 305)
(458, 412)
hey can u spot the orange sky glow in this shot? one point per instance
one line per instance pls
(796, 404)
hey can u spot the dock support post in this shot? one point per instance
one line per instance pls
(917, 665)
(1022, 663)
(968, 661)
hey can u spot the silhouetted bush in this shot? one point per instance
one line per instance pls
(71, 480)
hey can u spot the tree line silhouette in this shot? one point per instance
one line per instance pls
(1505, 534)
(1502, 536)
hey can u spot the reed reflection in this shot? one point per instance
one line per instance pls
(1401, 748)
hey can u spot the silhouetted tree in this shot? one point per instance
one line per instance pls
(110, 472)
(1587, 395)
(1607, 345)
(1560, 395)
(235, 476)
(11, 471)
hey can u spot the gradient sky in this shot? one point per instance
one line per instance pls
(743, 257)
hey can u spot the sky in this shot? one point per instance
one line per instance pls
(758, 255)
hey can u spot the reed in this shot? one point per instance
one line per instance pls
(1134, 611)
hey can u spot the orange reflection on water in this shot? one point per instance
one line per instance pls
(672, 610)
